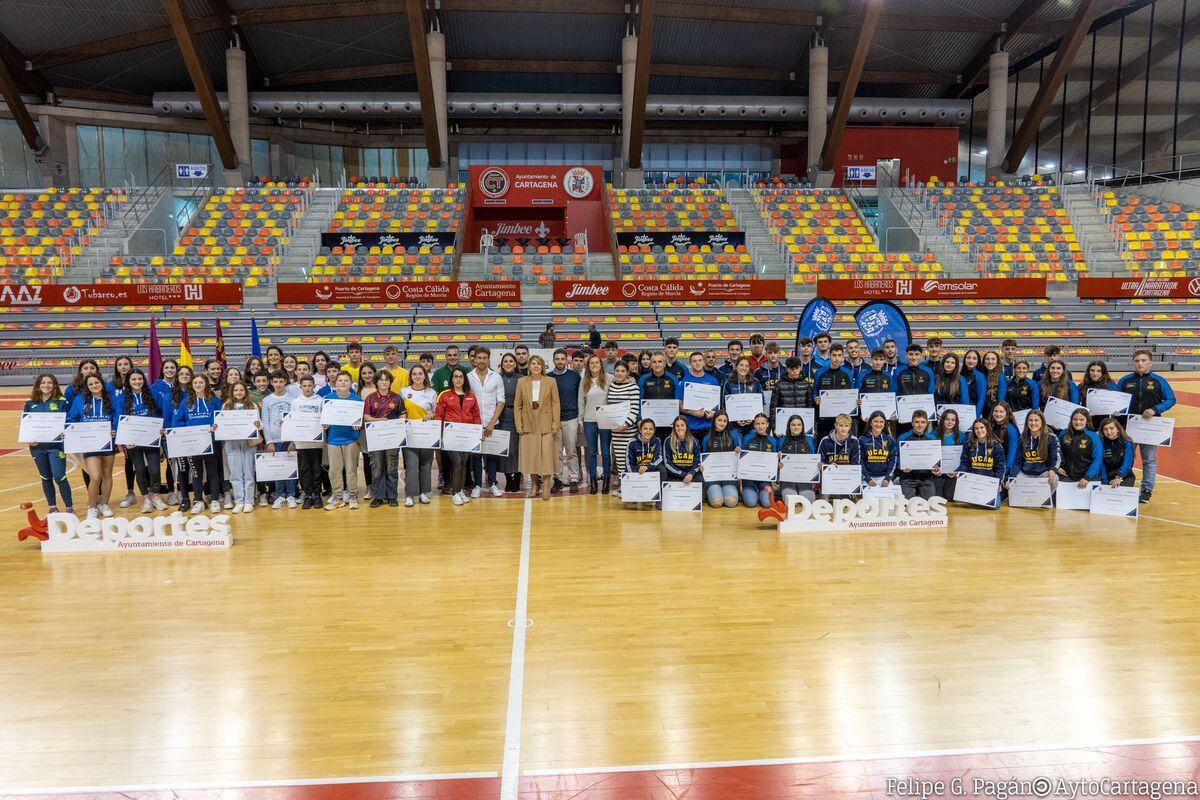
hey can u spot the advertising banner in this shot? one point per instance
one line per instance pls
(360, 239)
(666, 291)
(717, 240)
(931, 288)
(526, 186)
(401, 292)
(1135, 286)
(121, 294)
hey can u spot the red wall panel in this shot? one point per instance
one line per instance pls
(925, 152)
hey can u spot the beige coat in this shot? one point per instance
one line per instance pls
(538, 454)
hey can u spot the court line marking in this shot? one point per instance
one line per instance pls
(770, 762)
(164, 787)
(510, 770)
(1171, 521)
(70, 468)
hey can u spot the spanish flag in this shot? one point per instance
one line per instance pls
(185, 349)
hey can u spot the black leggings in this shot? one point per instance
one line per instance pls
(129, 475)
(144, 463)
(458, 468)
(204, 468)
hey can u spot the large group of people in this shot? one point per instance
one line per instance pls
(559, 439)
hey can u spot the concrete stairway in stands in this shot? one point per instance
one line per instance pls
(769, 262)
(1099, 248)
(113, 238)
(305, 243)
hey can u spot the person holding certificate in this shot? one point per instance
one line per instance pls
(796, 442)
(1082, 454)
(622, 388)
(993, 373)
(1117, 458)
(95, 405)
(197, 410)
(1096, 376)
(509, 464)
(593, 393)
(948, 429)
(755, 493)
(878, 452)
(681, 453)
(537, 419)
(419, 403)
(699, 420)
(741, 382)
(384, 404)
(275, 407)
(1056, 382)
(1004, 428)
(458, 404)
(982, 454)
(972, 371)
(919, 482)
(793, 390)
(239, 453)
(950, 387)
(341, 443)
(1038, 453)
(1152, 396)
(47, 398)
(139, 401)
(645, 451)
(658, 384)
(721, 438)
(839, 447)
(122, 366)
(1019, 391)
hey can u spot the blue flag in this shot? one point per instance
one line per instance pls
(817, 317)
(880, 320)
(255, 344)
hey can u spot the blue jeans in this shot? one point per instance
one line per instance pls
(597, 438)
(52, 469)
(1149, 453)
(722, 493)
(755, 493)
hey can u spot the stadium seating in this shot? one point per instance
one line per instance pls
(822, 234)
(671, 208)
(383, 263)
(1153, 235)
(398, 210)
(1008, 229)
(236, 236)
(694, 261)
(536, 265)
(41, 232)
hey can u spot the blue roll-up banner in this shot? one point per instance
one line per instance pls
(880, 320)
(817, 317)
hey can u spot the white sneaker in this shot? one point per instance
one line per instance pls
(147, 506)
(128, 500)
(353, 503)
(173, 498)
(262, 501)
(105, 511)
(497, 491)
(92, 513)
(214, 507)
(457, 498)
(247, 508)
(408, 502)
(334, 504)
(278, 503)
(228, 502)
(237, 508)
(424, 498)
(476, 493)
(291, 501)
(197, 507)
(159, 505)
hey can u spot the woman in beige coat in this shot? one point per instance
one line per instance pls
(537, 420)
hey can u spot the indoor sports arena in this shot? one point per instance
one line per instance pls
(599, 399)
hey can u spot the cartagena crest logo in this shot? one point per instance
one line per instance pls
(493, 182)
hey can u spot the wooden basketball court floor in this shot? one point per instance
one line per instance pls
(574, 648)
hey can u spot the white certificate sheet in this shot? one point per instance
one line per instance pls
(1019, 419)
(1119, 502)
(88, 437)
(139, 431)
(424, 434)
(743, 407)
(613, 415)
(755, 465)
(1070, 496)
(1028, 491)
(879, 401)
(497, 444)
(1156, 430)
(839, 401)
(841, 478)
(921, 454)
(663, 412)
(680, 496)
(385, 434)
(465, 437)
(965, 411)
(782, 415)
(951, 457)
(42, 427)
(908, 403)
(882, 492)
(799, 468)
(637, 488)
(235, 425)
(1058, 412)
(1106, 402)
(719, 466)
(977, 490)
(186, 442)
(303, 429)
(276, 467)
(701, 397)
(341, 412)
